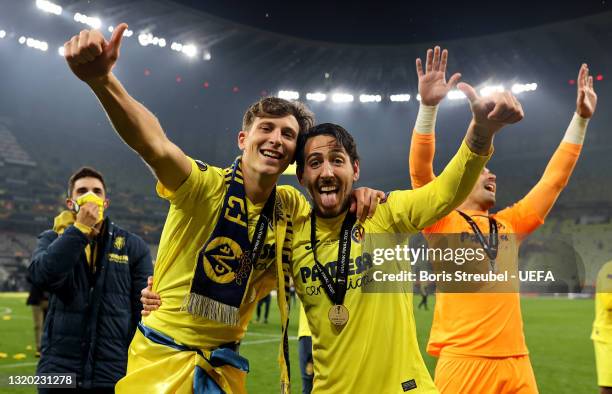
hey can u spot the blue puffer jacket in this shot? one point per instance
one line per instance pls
(92, 317)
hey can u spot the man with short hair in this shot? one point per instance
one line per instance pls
(93, 270)
(479, 337)
(366, 342)
(226, 233)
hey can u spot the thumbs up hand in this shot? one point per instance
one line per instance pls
(90, 56)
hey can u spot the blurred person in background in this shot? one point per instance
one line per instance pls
(265, 302)
(94, 271)
(602, 328)
(39, 302)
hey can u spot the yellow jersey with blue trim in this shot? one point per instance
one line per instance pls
(194, 209)
(376, 351)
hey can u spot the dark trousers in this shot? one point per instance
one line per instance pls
(266, 300)
(306, 364)
(423, 301)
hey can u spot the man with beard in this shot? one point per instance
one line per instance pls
(479, 337)
(223, 240)
(366, 342)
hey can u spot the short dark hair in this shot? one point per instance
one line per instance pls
(84, 172)
(274, 107)
(342, 136)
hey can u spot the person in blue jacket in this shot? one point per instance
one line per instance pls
(94, 271)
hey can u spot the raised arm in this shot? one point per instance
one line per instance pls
(417, 209)
(543, 195)
(91, 58)
(433, 87)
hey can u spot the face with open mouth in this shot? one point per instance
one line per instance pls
(328, 175)
(483, 193)
(269, 146)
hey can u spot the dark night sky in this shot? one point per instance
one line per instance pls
(395, 22)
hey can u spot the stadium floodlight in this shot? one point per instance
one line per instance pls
(145, 39)
(518, 88)
(342, 98)
(190, 50)
(2, 33)
(403, 97)
(455, 95)
(61, 51)
(207, 55)
(187, 49)
(370, 98)
(49, 7)
(288, 95)
(488, 90)
(316, 96)
(34, 43)
(94, 22)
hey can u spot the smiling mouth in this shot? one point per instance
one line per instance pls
(271, 154)
(328, 189)
(490, 187)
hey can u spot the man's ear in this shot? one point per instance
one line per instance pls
(70, 204)
(106, 203)
(241, 138)
(356, 171)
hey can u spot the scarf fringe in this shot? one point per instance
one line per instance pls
(202, 306)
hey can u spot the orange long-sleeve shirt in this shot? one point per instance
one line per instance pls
(488, 324)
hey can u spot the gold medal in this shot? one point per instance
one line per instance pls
(338, 315)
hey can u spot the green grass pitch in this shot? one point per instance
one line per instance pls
(557, 333)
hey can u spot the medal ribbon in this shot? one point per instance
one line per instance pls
(335, 291)
(490, 247)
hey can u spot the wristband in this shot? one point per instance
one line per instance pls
(576, 130)
(426, 119)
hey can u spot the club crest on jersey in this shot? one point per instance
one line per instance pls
(358, 233)
(222, 259)
(119, 243)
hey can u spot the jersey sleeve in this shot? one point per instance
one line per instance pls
(295, 204)
(531, 211)
(203, 182)
(420, 162)
(413, 210)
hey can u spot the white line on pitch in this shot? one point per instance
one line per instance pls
(17, 365)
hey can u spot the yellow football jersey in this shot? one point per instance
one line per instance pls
(194, 210)
(377, 350)
(303, 329)
(602, 326)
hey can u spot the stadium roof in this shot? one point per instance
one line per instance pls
(394, 22)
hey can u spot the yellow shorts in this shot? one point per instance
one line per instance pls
(157, 369)
(484, 375)
(603, 360)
